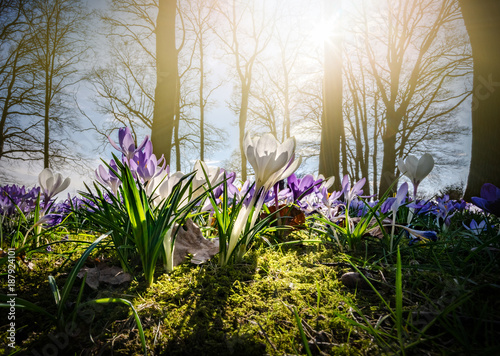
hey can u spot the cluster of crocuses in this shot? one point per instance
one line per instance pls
(275, 184)
(20, 196)
(13, 197)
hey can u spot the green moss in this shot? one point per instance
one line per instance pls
(246, 308)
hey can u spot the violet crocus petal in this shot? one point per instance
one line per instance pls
(115, 146)
(148, 149)
(345, 184)
(490, 192)
(125, 137)
(387, 205)
(306, 182)
(419, 235)
(101, 174)
(143, 144)
(114, 167)
(400, 196)
(292, 180)
(480, 202)
(357, 187)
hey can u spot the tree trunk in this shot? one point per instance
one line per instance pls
(245, 93)
(167, 91)
(332, 127)
(482, 20)
(49, 66)
(202, 100)
(177, 140)
(389, 139)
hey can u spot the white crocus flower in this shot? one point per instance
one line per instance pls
(52, 184)
(165, 188)
(416, 169)
(162, 187)
(215, 175)
(272, 162)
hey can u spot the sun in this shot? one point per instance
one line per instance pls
(326, 30)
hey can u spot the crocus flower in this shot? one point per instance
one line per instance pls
(420, 236)
(351, 193)
(301, 187)
(205, 174)
(127, 143)
(445, 209)
(476, 228)
(51, 184)
(165, 188)
(416, 169)
(400, 196)
(270, 160)
(12, 195)
(107, 177)
(330, 201)
(489, 200)
(145, 164)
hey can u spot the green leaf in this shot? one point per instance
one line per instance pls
(73, 274)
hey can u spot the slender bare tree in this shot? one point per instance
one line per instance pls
(245, 36)
(412, 64)
(55, 37)
(332, 129)
(19, 137)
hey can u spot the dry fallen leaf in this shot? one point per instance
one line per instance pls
(190, 240)
(103, 273)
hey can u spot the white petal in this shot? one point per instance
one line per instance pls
(328, 183)
(411, 166)
(424, 167)
(283, 173)
(43, 177)
(62, 186)
(402, 166)
(249, 149)
(266, 145)
(50, 185)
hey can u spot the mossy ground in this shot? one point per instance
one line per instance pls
(247, 308)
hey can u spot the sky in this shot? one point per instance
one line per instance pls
(220, 115)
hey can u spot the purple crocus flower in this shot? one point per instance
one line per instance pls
(310, 204)
(351, 193)
(303, 186)
(489, 200)
(400, 198)
(421, 236)
(145, 163)
(445, 209)
(422, 207)
(476, 228)
(247, 187)
(107, 177)
(127, 143)
(12, 195)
